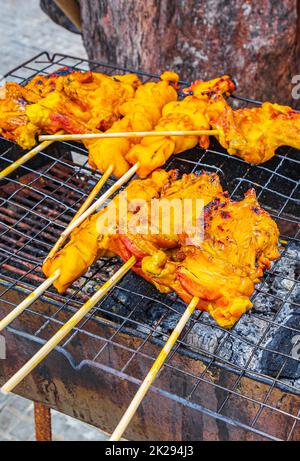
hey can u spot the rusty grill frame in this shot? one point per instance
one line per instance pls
(60, 174)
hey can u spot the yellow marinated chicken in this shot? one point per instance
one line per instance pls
(96, 93)
(204, 90)
(152, 153)
(78, 102)
(188, 114)
(240, 240)
(55, 112)
(254, 134)
(140, 113)
(82, 102)
(102, 95)
(15, 99)
(87, 244)
(14, 124)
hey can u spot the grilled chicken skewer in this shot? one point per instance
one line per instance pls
(174, 126)
(85, 99)
(149, 155)
(239, 242)
(254, 134)
(56, 102)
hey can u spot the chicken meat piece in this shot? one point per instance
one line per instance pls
(188, 114)
(57, 112)
(254, 134)
(140, 113)
(77, 102)
(240, 239)
(87, 242)
(101, 95)
(152, 153)
(204, 90)
(14, 124)
(82, 102)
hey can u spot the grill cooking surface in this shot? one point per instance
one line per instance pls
(38, 201)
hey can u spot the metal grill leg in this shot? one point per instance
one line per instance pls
(42, 423)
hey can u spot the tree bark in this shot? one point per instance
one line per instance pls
(256, 42)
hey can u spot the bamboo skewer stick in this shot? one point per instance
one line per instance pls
(142, 391)
(66, 328)
(47, 283)
(8, 170)
(76, 221)
(28, 300)
(126, 134)
(83, 208)
(100, 200)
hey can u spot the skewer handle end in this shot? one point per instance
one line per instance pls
(4, 391)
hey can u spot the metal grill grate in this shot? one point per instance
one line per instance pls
(38, 201)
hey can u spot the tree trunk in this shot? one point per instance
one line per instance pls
(256, 42)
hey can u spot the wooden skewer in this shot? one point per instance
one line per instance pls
(28, 301)
(66, 328)
(126, 134)
(74, 223)
(8, 170)
(47, 283)
(83, 208)
(130, 412)
(32, 153)
(100, 200)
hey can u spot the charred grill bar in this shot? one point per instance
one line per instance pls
(241, 384)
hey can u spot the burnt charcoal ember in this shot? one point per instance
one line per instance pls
(240, 345)
(134, 298)
(266, 304)
(281, 352)
(204, 338)
(286, 342)
(274, 306)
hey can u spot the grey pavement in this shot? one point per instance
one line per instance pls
(17, 423)
(25, 31)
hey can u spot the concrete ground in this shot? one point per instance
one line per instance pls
(25, 31)
(17, 423)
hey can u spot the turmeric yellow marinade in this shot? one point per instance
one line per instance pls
(240, 240)
(74, 101)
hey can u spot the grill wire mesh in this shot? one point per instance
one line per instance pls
(36, 204)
